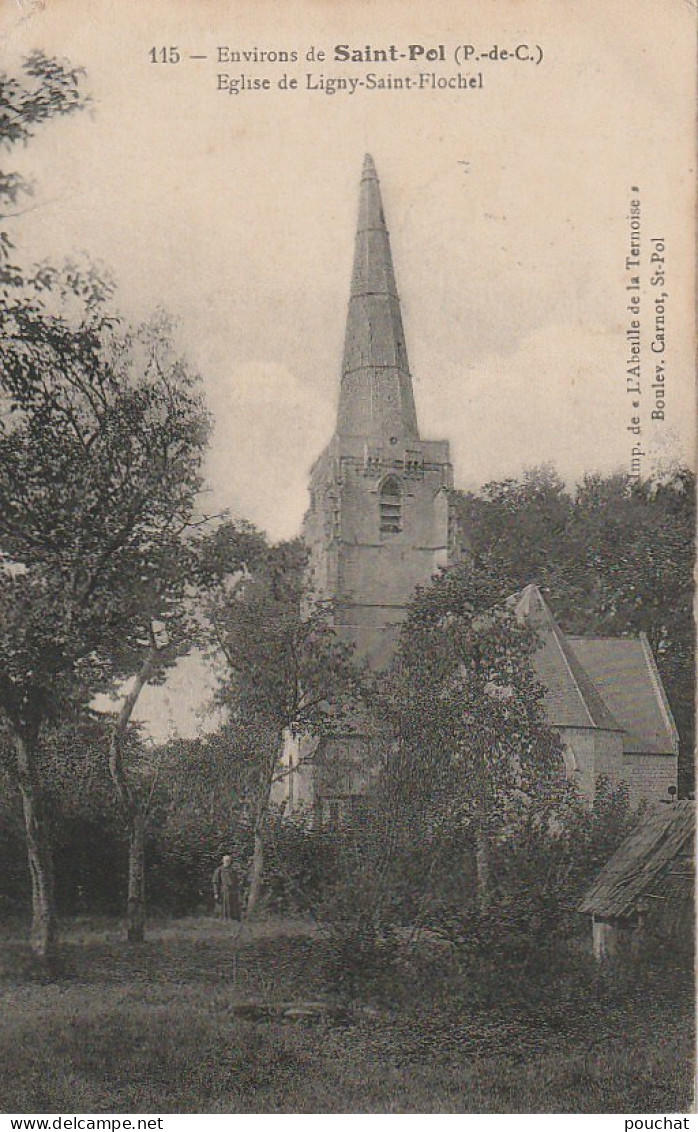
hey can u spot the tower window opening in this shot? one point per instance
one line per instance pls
(391, 507)
(413, 464)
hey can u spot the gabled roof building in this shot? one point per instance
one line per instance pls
(378, 521)
(378, 526)
(605, 697)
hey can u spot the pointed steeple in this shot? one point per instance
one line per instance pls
(376, 399)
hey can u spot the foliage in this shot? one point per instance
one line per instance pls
(468, 744)
(464, 695)
(301, 867)
(102, 436)
(101, 443)
(13, 854)
(614, 557)
(86, 829)
(157, 1031)
(285, 672)
(48, 88)
(206, 779)
(388, 887)
(284, 662)
(542, 865)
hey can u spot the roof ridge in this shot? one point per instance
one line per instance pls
(639, 859)
(596, 709)
(659, 687)
(588, 690)
(624, 671)
(559, 640)
(584, 637)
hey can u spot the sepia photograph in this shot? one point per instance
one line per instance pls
(347, 559)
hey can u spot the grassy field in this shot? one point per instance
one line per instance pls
(160, 1027)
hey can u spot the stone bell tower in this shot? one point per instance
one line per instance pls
(377, 525)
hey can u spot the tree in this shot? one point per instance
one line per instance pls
(286, 671)
(637, 544)
(102, 438)
(48, 88)
(516, 530)
(613, 557)
(165, 625)
(472, 743)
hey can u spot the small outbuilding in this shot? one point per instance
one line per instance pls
(646, 891)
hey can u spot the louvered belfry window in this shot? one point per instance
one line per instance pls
(391, 506)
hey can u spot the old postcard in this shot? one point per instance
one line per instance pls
(347, 673)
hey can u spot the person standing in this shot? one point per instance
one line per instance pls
(226, 890)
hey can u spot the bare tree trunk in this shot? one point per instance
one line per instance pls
(132, 805)
(482, 870)
(135, 908)
(256, 873)
(256, 868)
(40, 857)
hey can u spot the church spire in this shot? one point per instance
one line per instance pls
(376, 399)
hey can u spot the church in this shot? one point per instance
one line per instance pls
(378, 525)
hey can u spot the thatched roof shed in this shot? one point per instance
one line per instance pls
(648, 884)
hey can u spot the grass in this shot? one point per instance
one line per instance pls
(155, 1028)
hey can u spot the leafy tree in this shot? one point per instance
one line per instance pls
(286, 671)
(48, 88)
(208, 778)
(207, 791)
(102, 437)
(86, 829)
(637, 543)
(544, 868)
(613, 557)
(165, 625)
(473, 745)
(516, 531)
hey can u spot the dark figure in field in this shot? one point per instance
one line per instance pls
(226, 891)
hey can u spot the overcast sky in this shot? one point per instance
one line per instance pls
(507, 208)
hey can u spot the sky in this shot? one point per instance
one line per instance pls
(508, 208)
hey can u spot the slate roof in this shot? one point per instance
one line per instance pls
(655, 865)
(624, 673)
(571, 698)
(606, 683)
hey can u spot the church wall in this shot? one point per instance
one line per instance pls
(384, 576)
(295, 789)
(609, 756)
(596, 752)
(590, 753)
(593, 752)
(650, 776)
(372, 573)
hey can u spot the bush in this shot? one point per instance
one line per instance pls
(362, 963)
(15, 893)
(301, 866)
(90, 862)
(183, 850)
